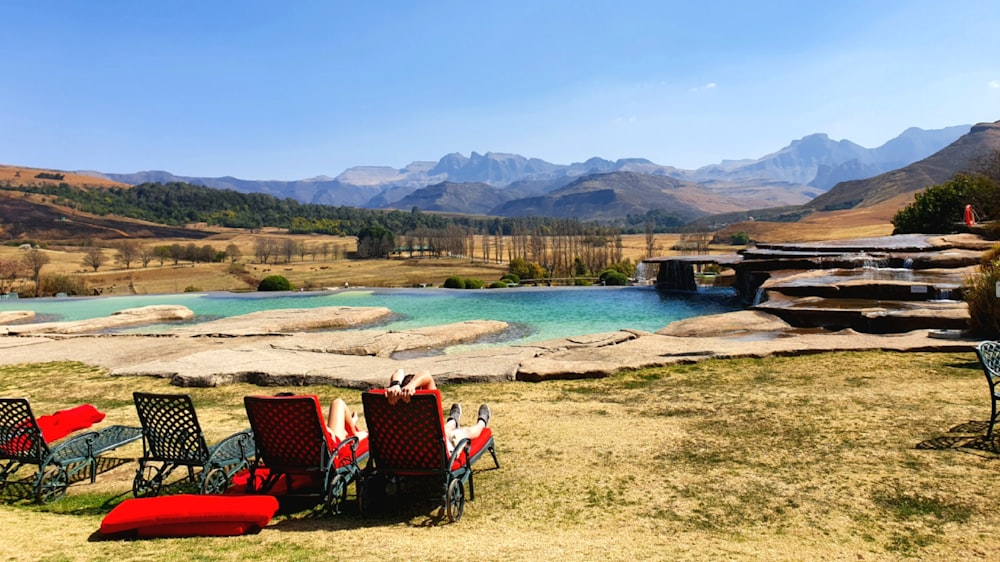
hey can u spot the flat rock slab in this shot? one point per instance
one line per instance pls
(8, 316)
(129, 317)
(383, 344)
(726, 325)
(655, 350)
(262, 364)
(286, 320)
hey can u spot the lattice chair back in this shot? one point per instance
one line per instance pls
(290, 432)
(407, 436)
(989, 356)
(20, 437)
(170, 428)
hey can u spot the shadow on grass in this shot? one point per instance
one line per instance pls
(22, 489)
(969, 437)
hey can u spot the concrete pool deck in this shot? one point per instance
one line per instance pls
(364, 359)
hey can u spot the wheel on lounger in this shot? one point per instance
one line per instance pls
(455, 500)
(216, 481)
(336, 494)
(53, 484)
(148, 480)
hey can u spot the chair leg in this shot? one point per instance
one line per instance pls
(993, 419)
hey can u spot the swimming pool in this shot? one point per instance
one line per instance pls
(536, 314)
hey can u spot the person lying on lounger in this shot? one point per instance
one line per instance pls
(402, 386)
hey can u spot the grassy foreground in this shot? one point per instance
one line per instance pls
(846, 456)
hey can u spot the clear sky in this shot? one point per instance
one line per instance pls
(289, 90)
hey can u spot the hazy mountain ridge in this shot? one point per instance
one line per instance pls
(793, 175)
(981, 140)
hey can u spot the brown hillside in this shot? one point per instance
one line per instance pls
(21, 176)
(27, 216)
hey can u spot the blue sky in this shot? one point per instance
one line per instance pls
(290, 90)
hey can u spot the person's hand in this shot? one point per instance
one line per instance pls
(393, 394)
(406, 392)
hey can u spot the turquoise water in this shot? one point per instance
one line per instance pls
(536, 313)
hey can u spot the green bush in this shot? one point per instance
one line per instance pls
(980, 295)
(939, 208)
(274, 283)
(474, 283)
(740, 238)
(454, 282)
(511, 278)
(612, 277)
(498, 285)
(192, 289)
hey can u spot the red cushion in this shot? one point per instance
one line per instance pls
(299, 481)
(187, 515)
(62, 423)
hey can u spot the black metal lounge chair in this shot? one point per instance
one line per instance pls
(408, 439)
(172, 437)
(295, 453)
(989, 357)
(64, 461)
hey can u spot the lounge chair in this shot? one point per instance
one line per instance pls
(59, 461)
(172, 438)
(408, 439)
(295, 454)
(989, 357)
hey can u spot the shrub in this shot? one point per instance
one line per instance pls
(980, 295)
(511, 278)
(192, 289)
(939, 208)
(274, 283)
(498, 285)
(740, 238)
(612, 277)
(454, 282)
(55, 284)
(474, 283)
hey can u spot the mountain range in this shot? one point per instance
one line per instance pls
(513, 185)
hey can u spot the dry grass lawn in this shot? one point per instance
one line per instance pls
(846, 456)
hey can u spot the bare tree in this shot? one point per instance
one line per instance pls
(9, 270)
(288, 249)
(93, 257)
(265, 248)
(146, 253)
(650, 239)
(35, 259)
(233, 253)
(126, 252)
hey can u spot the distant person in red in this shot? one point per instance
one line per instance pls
(402, 386)
(970, 216)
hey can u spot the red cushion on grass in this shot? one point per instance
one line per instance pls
(188, 515)
(60, 424)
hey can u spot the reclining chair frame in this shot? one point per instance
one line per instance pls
(59, 464)
(291, 439)
(172, 438)
(409, 440)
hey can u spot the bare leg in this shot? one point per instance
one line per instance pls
(341, 421)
